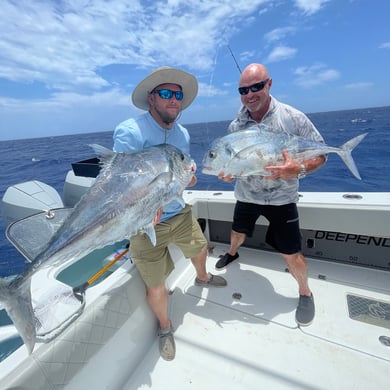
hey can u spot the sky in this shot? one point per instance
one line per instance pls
(70, 66)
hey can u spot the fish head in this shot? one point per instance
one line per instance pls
(238, 152)
(181, 165)
(217, 157)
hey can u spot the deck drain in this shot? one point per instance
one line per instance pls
(237, 296)
(385, 340)
(370, 311)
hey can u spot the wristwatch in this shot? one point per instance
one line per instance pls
(302, 173)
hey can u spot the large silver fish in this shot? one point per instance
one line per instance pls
(123, 200)
(248, 152)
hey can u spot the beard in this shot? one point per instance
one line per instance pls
(168, 117)
(255, 106)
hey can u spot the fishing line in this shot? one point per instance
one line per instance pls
(211, 81)
(234, 58)
(210, 86)
(209, 90)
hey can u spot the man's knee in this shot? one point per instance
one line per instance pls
(156, 290)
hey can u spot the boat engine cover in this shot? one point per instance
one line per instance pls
(28, 198)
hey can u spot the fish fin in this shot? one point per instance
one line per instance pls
(149, 230)
(345, 153)
(254, 148)
(102, 151)
(244, 154)
(165, 176)
(16, 298)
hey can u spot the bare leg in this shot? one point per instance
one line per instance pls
(236, 240)
(297, 266)
(157, 298)
(199, 262)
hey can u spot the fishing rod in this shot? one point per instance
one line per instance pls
(234, 58)
(79, 291)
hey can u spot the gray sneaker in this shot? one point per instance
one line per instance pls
(166, 343)
(304, 314)
(214, 281)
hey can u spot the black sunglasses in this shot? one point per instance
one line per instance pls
(167, 94)
(254, 87)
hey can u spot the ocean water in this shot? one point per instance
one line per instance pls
(49, 159)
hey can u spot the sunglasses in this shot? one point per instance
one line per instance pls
(254, 87)
(167, 94)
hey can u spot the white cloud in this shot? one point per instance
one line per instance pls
(359, 85)
(67, 100)
(310, 7)
(311, 76)
(63, 44)
(209, 90)
(278, 34)
(281, 53)
(384, 45)
(248, 56)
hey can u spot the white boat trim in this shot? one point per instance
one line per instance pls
(224, 342)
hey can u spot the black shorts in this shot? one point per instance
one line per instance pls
(283, 232)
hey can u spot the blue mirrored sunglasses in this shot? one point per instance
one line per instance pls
(167, 94)
(254, 87)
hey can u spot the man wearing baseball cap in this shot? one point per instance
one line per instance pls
(163, 95)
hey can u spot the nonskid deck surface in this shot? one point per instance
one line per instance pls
(253, 342)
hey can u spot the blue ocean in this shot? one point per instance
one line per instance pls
(49, 159)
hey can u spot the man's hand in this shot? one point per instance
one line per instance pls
(289, 170)
(193, 181)
(157, 217)
(229, 178)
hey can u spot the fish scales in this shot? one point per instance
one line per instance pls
(247, 152)
(123, 200)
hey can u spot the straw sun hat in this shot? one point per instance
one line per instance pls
(165, 75)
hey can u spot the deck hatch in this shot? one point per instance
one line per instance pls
(370, 311)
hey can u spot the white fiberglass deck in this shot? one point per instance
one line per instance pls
(254, 343)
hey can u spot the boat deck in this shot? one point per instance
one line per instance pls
(244, 336)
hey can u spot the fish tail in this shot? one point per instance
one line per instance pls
(15, 297)
(345, 153)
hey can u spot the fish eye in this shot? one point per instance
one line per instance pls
(182, 156)
(212, 154)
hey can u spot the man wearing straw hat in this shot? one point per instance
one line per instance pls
(163, 95)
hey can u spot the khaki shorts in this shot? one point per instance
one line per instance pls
(154, 263)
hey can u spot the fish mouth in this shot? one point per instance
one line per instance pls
(207, 169)
(193, 167)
